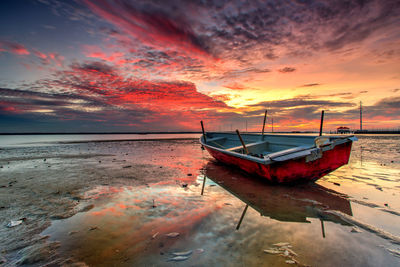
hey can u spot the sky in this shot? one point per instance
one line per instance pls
(139, 66)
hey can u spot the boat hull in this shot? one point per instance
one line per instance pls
(290, 171)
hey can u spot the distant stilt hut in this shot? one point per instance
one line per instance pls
(343, 130)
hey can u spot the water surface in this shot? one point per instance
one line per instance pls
(350, 217)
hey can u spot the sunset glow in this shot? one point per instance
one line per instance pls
(75, 66)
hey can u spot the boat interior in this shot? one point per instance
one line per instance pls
(269, 144)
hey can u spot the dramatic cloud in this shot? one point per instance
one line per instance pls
(13, 47)
(100, 79)
(246, 34)
(153, 25)
(371, 18)
(94, 91)
(135, 64)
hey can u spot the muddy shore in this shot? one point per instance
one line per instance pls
(41, 184)
(136, 203)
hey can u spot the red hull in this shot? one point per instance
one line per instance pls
(291, 170)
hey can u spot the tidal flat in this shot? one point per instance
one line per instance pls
(85, 202)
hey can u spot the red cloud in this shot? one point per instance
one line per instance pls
(12, 47)
(49, 58)
(96, 92)
(235, 86)
(96, 78)
(95, 52)
(39, 54)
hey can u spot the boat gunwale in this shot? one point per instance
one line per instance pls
(266, 160)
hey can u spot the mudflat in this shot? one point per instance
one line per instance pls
(166, 202)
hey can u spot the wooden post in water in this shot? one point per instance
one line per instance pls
(323, 228)
(241, 140)
(272, 124)
(322, 123)
(204, 183)
(204, 133)
(241, 218)
(265, 119)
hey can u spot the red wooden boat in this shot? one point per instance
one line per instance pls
(280, 158)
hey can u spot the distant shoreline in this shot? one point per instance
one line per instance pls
(377, 132)
(146, 133)
(61, 133)
(122, 140)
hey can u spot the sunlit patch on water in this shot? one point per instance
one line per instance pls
(130, 223)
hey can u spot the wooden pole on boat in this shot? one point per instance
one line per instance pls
(322, 123)
(241, 218)
(204, 133)
(241, 140)
(265, 118)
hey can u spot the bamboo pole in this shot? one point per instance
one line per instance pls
(241, 217)
(272, 124)
(322, 123)
(204, 133)
(265, 119)
(322, 228)
(204, 183)
(241, 140)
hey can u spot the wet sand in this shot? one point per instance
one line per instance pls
(120, 203)
(45, 184)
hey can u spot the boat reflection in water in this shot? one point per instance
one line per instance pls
(283, 203)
